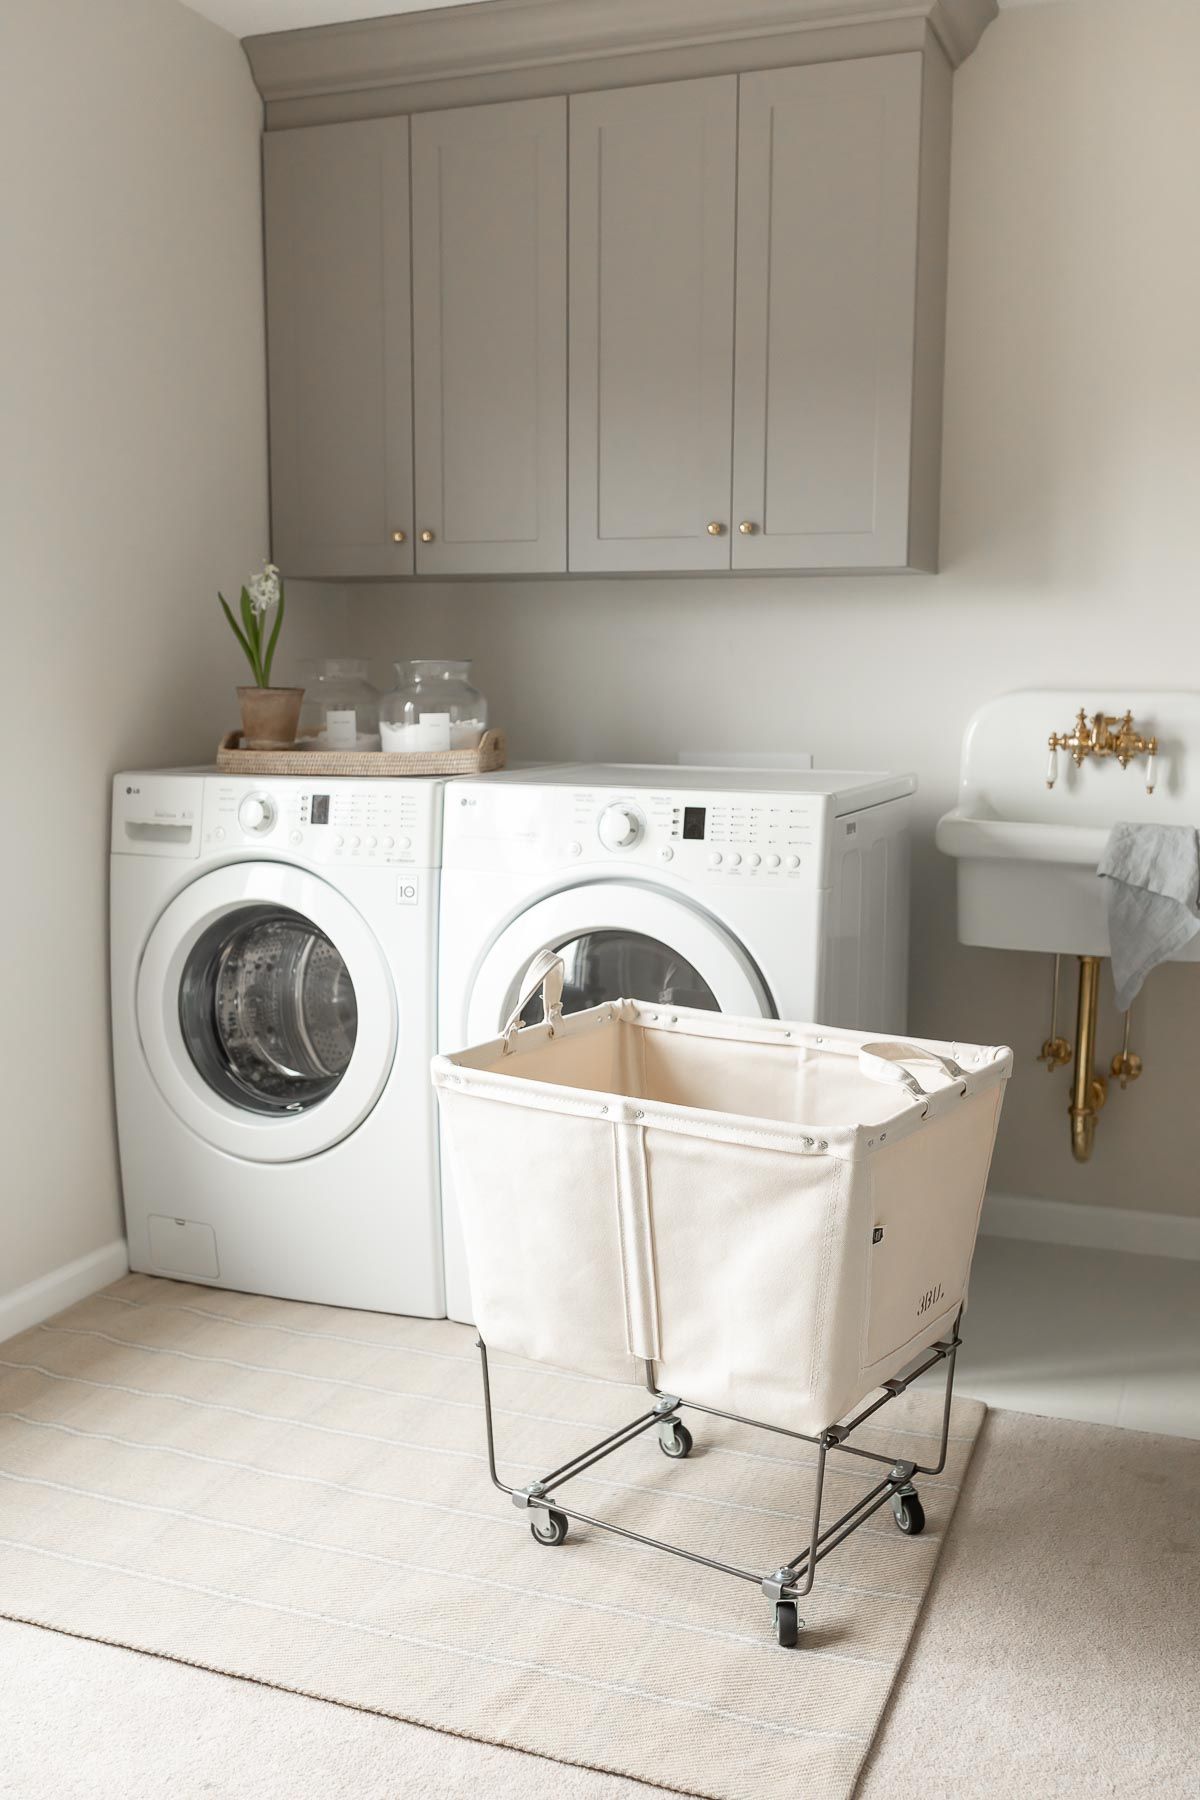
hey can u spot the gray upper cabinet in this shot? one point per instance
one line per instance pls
(753, 289)
(489, 338)
(826, 391)
(336, 203)
(653, 192)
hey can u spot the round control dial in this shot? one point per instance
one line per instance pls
(619, 827)
(257, 813)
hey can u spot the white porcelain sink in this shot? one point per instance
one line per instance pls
(1027, 854)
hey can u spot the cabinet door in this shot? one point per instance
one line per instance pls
(653, 175)
(826, 279)
(339, 349)
(489, 344)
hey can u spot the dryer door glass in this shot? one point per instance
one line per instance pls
(614, 965)
(267, 1010)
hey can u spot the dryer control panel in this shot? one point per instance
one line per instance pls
(766, 837)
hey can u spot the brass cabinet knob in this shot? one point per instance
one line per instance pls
(398, 537)
(747, 527)
(715, 528)
(427, 537)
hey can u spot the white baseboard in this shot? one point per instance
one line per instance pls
(62, 1287)
(1090, 1227)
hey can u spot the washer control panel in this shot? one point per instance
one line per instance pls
(334, 823)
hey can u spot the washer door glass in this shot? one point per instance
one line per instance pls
(267, 1010)
(605, 965)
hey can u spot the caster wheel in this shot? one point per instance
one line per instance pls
(675, 1440)
(549, 1527)
(909, 1514)
(787, 1625)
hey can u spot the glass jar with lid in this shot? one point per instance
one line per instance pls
(341, 708)
(433, 707)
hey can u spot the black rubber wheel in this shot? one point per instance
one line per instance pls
(909, 1514)
(679, 1444)
(787, 1624)
(549, 1527)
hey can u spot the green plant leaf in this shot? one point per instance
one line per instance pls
(237, 632)
(253, 628)
(273, 640)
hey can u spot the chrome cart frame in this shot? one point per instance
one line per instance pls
(785, 1586)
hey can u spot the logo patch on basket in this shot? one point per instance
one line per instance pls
(929, 1298)
(877, 1235)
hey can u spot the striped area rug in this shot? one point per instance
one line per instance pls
(298, 1495)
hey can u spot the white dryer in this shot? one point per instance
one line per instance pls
(273, 995)
(773, 893)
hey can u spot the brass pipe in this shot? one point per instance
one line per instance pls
(1088, 1091)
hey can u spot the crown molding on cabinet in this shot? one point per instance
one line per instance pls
(516, 49)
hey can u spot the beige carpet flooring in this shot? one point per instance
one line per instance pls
(1060, 1670)
(296, 1495)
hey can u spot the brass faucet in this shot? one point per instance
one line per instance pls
(1096, 737)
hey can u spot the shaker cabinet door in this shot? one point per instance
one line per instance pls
(489, 338)
(826, 276)
(653, 178)
(339, 348)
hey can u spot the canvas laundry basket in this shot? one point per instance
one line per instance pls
(777, 1216)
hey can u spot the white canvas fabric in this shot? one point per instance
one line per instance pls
(778, 1216)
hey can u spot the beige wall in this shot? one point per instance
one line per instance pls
(1072, 483)
(134, 483)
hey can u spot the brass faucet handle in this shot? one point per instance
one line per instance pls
(1126, 1066)
(1056, 1054)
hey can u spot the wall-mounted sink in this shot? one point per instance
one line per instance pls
(1027, 853)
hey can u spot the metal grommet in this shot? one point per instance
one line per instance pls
(639, 1115)
(870, 1143)
(808, 1143)
(821, 1144)
(882, 1135)
(604, 1109)
(673, 1020)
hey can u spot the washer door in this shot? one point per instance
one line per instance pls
(617, 940)
(267, 1012)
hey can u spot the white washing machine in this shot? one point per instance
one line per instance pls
(274, 948)
(777, 893)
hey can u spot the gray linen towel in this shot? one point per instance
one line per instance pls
(1153, 898)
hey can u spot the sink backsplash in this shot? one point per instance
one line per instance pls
(1005, 752)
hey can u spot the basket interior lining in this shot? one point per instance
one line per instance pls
(789, 1083)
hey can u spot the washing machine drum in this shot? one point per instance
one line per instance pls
(267, 1010)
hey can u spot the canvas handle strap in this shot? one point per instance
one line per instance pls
(884, 1061)
(545, 972)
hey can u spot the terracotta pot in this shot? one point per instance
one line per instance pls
(269, 717)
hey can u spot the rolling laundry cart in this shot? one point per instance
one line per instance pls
(774, 1220)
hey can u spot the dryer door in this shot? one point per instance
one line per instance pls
(267, 1012)
(617, 939)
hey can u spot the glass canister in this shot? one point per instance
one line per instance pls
(341, 708)
(432, 707)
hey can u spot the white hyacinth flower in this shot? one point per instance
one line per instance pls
(264, 589)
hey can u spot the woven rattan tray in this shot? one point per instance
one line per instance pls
(489, 755)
